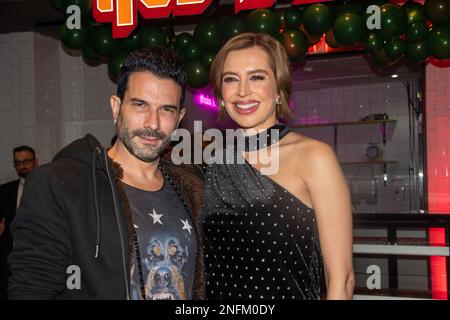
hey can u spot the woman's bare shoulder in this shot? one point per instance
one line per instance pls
(304, 146)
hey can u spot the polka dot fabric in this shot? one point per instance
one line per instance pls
(260, 241)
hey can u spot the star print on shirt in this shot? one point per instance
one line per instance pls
(156, 217)
(186, 225)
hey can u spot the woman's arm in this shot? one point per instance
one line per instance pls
(331, 201)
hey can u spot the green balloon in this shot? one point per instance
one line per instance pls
(373, 42)
(207, 59)
(74, 39)
(393, 20)
(281, 14)
(191, 52)
(331, 41)
(349, 29)
(172, 45)
(395, 48)
(152, 37)
(415, 12)
(417, 51)
(380, 58)
(438, 11)
(439, 42)
(197, 74)
(183, 40)
(206, 35)
(350, 7)
(318, 19)
(84, 5)
(294, 18)
(100, 39)
(231, 26)
(133, 42)
(263, 21)
(115, 63)
(57, 4)
(295, 42)
(417, 31)
(89, 54)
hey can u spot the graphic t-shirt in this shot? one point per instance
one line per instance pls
(167, 244)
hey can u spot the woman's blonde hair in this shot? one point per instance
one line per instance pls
(278, 62)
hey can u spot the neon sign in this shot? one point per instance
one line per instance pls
(123, 13)
(207, 102)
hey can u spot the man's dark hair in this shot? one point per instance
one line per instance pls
(24, 148)
(161, 62)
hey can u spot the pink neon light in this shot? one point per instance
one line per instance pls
(205, 101)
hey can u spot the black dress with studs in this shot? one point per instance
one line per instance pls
(261, 242)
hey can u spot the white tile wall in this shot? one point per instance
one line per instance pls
(17, 96)
(350, 103)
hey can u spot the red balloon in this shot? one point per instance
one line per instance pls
(439, 63)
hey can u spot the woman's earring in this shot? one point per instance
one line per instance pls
(115, 121)
(222, 104)
(278, 101)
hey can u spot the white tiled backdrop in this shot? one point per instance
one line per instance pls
(351, 103)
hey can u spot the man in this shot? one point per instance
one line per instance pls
(10, 195)
(117, 223)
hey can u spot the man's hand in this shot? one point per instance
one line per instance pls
(2, 226)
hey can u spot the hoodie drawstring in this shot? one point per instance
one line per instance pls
(97, 211)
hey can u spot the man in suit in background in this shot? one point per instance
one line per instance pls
(10, 194)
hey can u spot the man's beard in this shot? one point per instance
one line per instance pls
(146, 153)
(23, 173)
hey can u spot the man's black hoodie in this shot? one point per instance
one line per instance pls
(75, 217)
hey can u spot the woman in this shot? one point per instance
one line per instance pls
(267, 235)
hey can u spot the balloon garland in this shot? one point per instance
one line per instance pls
(415, 31)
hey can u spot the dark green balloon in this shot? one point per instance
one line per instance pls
(231, 26)
(417, 51)
(380, 58)
(89, 54)
(294, 18)
(84, 5)
(207, 59)
(394, 20)
(206, 35)
(417, 31)
(263, 21)
(115, 62)
(415, 12)
(152, 37)
(395, 48)
(191, 52)
(439, 42)
(197, 74)
(350, 7)
(281, 14)
(438, 11)
(183, 40)
(74, 39)
(331, 41)
(295, 42)
(172, 45)
(349, 29)
(100, 39)
(57, 4)
(133, 42)
(318, 19)
(373, 42)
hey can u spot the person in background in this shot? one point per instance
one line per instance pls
(118, 223)
(270, 236)
(25, 161)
